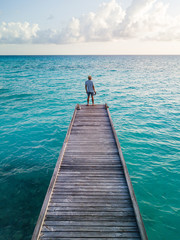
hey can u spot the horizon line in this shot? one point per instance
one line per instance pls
(4, 55)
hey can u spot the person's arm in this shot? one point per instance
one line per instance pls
(94, 89)
(86, 88)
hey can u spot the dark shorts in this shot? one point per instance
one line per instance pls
(90, 93)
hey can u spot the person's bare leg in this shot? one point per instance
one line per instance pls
(92, 100)
(88, 100)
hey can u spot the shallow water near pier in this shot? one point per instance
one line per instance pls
(38, 95)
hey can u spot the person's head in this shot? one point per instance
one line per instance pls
(89, 77)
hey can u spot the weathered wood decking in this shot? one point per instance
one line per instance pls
(90, 194)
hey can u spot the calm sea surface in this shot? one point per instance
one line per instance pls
(37, 99)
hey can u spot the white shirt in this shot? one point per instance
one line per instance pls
(89, 84)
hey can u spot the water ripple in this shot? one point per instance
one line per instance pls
(38, 95)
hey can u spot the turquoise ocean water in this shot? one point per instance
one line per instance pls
(37, 99)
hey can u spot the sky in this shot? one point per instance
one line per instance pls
(85, 27)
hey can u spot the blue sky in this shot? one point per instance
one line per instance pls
(51, 13)
(90, 27)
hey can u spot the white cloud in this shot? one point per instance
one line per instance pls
(18, 32)
(144, 19)
(149, 20)
(99, 26)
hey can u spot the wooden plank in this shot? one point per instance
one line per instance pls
(90, 163)
(91, 189)
(92, 150)
(113, 158)
(90, 178)
(74, 153)
(91, 223)
(93, 111)
(82, 228)
(90, 209)
(92, 160)
(89, 196)
(72, 204)
(92, 200)
(90, 217)
(88, 167)
(86, 194)
(94, 183)
(92, 145)
(93, 131)
(93, 124)
(91, 213)
(89, 238)
(89, 234)
(84, 189)
(99, 186)
(90, 173)
(91, 192)
(92, 127)
(93, 180)
(85, 156)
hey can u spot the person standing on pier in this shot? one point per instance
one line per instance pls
(90, 89)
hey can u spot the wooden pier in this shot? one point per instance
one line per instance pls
(90, 195)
